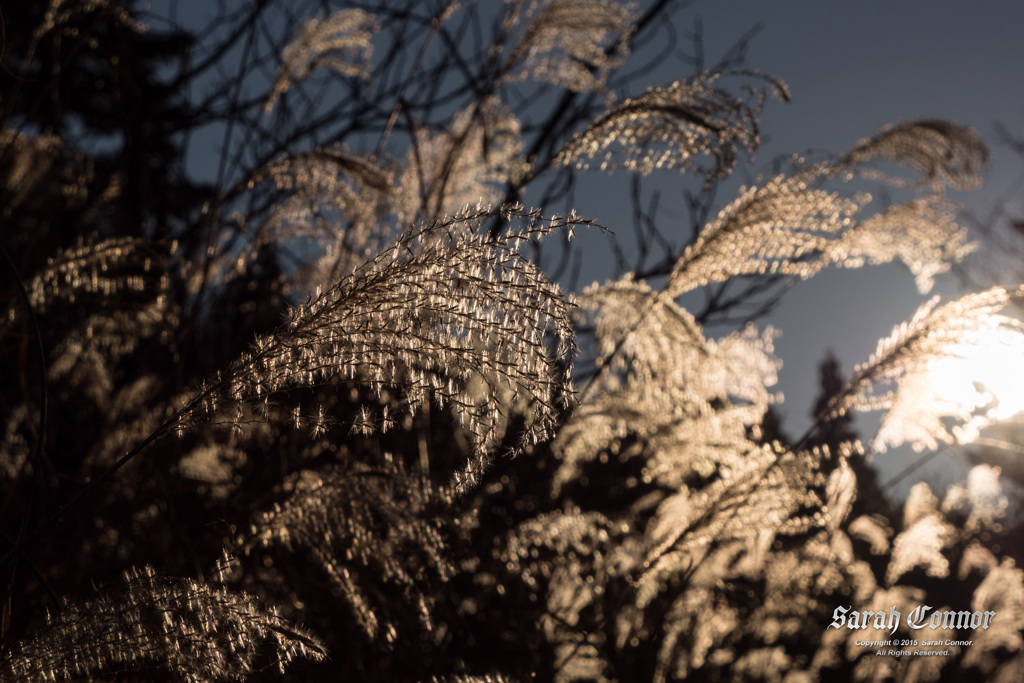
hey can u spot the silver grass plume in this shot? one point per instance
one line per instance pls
(672, 128)
(571, 43)
(340, 42)
(65, 15)
(941, 152)
(197, 632)
(570, 561)
(28, 164)
(900, 377)
(871, 531)
(333, 199)
(371, 531)
(999, 650)
(780, 228)
(976, 558)
(470, 162)
(922, 233)
(102, 268)
(35, 171)
(447, 315)
(926, 532)
(463, 678)
(768, 495)
(567, 559)
(691, 399)
(981, 494)
(122, 284)
(792, 226)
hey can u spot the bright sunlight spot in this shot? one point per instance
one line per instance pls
(983, 375)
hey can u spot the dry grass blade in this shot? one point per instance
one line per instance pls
(197, 632)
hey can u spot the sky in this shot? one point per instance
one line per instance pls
(852, 67)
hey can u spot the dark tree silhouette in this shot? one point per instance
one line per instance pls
(838, 433)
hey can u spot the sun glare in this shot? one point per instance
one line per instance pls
(983, 375)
